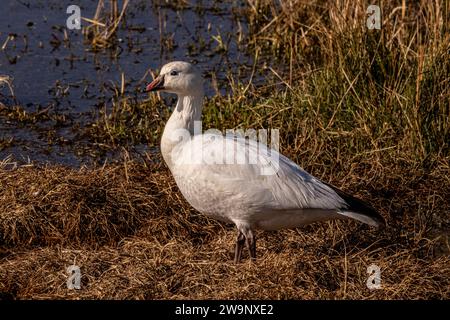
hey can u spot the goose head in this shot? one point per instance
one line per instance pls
(178, 77)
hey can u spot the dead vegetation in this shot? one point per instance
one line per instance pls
(134, 237)
(7, 81)
(102, 28)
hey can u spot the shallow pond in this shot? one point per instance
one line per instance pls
(55, 68)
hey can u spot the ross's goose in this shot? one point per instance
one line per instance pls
(270, 193)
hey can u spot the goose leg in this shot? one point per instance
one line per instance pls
(239, 246)
(251, 244)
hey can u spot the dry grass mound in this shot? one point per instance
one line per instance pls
(134, 237)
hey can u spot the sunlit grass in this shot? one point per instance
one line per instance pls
(385, 88)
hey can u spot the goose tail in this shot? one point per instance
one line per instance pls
(359, 210)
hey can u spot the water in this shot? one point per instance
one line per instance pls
(54, 68)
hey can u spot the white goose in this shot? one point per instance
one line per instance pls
(242, 193)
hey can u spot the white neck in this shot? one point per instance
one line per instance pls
(181, 124)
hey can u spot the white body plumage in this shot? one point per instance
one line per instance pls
(236, 192)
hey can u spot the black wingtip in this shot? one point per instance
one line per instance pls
(359, 206)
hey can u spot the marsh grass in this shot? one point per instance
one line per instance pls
(7, 81)
(389, 82)
(388, 88)
(128, 122)
(101, 31)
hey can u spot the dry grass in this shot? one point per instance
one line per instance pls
(134, 237)
(6, 80)
(101, 31)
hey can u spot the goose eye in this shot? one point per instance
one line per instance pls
(173, 73)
